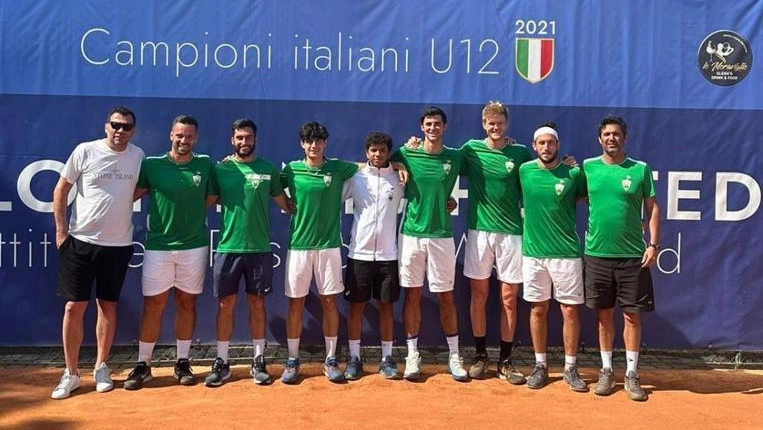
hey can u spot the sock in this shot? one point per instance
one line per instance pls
(570, 361)
(541, 357)
(631, 359)
(386, 348)
(413, 345)
(452, 344)
(606, 359)
(480, 346)
(330, 346)
(293, 347)
(183, 348)
(354, 347)
(505, 353)
(145, 351)
(222, 350)
(259, 346)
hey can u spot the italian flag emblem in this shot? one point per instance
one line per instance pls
(534, 58)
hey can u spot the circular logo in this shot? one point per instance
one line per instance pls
(724, 58)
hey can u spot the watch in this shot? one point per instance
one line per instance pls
(654, 245)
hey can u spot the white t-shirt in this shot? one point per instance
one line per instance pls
(376, 194)
(105, 181)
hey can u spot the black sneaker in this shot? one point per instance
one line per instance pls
(138, 376)
(219, 374)
(184, 373)
(259, 371)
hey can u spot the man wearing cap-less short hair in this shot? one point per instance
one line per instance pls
(616, 260)
(95, 246)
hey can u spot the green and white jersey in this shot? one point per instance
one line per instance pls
(494, 191)
(431, 180)
(245, 190)
(317, 195)
(616, 193)
(549, 201)
(177, 214)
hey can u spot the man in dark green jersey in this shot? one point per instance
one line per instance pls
(616, 261)
(551, 263)
(244, 184)
(179, 183)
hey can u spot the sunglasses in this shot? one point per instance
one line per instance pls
(121, 125)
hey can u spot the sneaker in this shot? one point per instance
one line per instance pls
(507, 372)
(65, 387)
(138, 376)
(259, 371)
(479, 368)
(633, 387)
(606, 382)
(331, 370)
(456, 368)
(354, 369)
(388, 368)
(184, 373)
(412, 367)
(102, 378)
(290, 373)
(538, 377)
(220, 373)
(573, 379)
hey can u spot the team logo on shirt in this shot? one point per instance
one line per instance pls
(327, 179)
(254, 179)
(197, 178)
(446, 167)
(626, 183)
(559, 187)
(510, 166)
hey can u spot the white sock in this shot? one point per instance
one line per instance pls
(570, 361)
(222, 350)
(541, 357)
(183, 348)
(631, 360)
(145, 351)
(330, 345)
(413, 346)
(386, 348)
(259, 346)
(452, 344)
(354, 347)
(606, 359)
(293, 347)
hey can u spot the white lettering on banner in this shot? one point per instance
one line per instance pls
(346, 56)
(24, 185)
(186, 54)
(722, 181)
(675, 193)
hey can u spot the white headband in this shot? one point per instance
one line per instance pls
(545, 130)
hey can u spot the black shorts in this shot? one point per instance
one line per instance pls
(362, 279)
(82, 263)
(621, 280)
(254, 268)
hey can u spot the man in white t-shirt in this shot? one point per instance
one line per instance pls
(95, 246)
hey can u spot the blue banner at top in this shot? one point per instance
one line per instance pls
(635, 53)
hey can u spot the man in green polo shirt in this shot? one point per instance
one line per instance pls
(179, 183)
(245, 183)
(616, 261)
(315, 185)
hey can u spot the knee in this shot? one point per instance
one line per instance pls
(75, 309)
(539, 310)
(186, 302)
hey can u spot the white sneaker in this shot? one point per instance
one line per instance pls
(68, 384)
(102, 378)
(456, 368)
(412, 367)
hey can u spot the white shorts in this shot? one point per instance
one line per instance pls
(434, 257)
(562, 275)
(484, 248)
(184, 269)
(301, 264)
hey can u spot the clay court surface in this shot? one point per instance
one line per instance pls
(679, 400)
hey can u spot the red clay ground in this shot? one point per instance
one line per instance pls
(679, 400)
